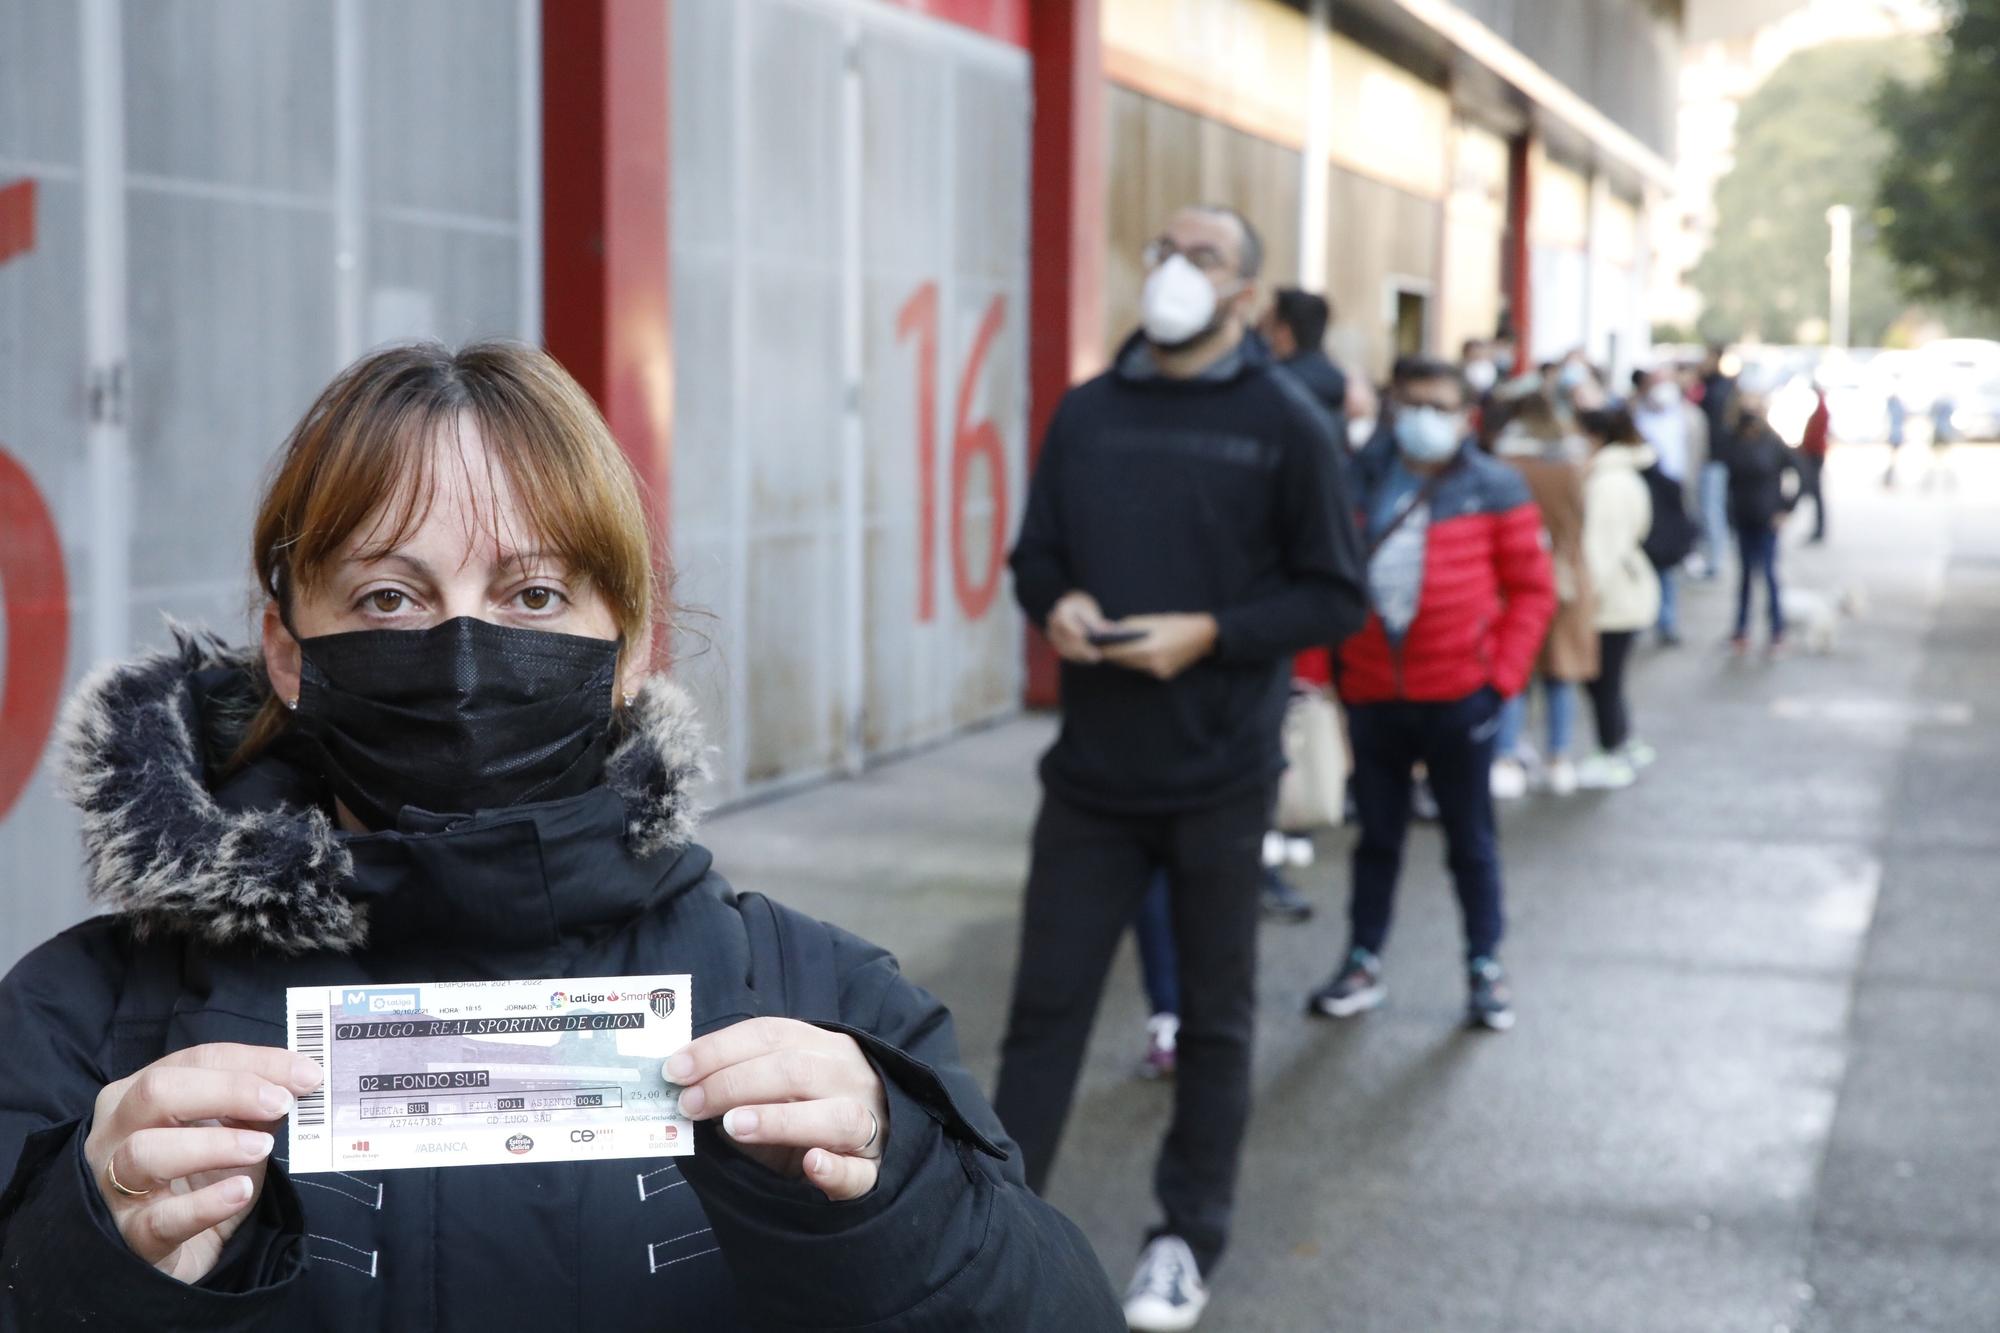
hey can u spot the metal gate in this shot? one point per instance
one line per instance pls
(849, 256)
(205, 210)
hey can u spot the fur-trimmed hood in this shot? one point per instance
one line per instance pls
(140, 739)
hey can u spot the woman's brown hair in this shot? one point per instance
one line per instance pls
(363, 454)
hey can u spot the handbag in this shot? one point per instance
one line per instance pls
(1312, 794)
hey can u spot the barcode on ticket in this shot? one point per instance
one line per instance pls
(309, 1039)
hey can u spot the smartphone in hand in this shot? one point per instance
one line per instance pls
(1115, 636)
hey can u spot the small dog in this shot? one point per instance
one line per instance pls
(1815, 616)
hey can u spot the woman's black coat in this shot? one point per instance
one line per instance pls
(220, 897)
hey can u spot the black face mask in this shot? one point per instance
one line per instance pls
(460, 717)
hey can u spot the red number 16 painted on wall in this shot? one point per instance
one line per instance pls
(970, 442)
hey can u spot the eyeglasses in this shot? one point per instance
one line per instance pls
(1204, 257)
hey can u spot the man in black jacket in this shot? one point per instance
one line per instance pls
(1184, 537)
(1296, 329)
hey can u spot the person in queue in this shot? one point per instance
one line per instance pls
(451, 760)
(1461, 594)
(1185, 536)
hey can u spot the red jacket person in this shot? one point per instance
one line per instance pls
(1461, 593)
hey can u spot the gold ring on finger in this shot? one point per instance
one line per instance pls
(111, 1174)
(873, 1134)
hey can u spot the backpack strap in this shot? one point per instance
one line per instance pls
(791, 959)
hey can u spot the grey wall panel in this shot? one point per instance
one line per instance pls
(442, 106)
(990, 133)
(441, 282)
(38, 48)
(906, 175)
(42, 429)
(766, 514)
(231, 91)
(232, 281)
(702, 528)
(231, 328)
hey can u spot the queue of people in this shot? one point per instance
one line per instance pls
(1225, 497)
(448, 757)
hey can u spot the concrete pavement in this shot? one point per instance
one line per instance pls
(1752, 1085)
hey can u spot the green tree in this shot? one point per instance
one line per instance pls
(1806, 140)
(1939, 196)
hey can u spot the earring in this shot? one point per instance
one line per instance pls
(629, 697)
(293, 703)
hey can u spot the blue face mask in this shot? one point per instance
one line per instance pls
(1427, 434)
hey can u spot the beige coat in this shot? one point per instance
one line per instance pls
(1617, 515)
(1570, 651)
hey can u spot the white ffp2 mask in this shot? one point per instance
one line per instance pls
(1178, 303)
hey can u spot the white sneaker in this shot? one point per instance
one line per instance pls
(1639, 754)
(1167, 1294)
(1276, 845)
(1162, 1047)
(1510, 780)
(1605, 772)
(1561, 777)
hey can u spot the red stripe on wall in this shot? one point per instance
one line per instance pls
(17, 219)
(1520, 301)
(1066, 292)
(36, 607)
(605, 268)
(1006, 20)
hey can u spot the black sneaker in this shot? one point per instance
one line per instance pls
(1355, 989)
(1284, 902)
(1490, 1004)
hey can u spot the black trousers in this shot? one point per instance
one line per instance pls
(1812, 485)
(1089, 872)
(1607, 692)
(1454, 742)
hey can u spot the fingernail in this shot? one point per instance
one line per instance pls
(274, 1099)
(816, 1163)
(738, 1122)
(693, 1102)
(679, 1067)
(236, 1189)
(306, 1073)
(253, 1142)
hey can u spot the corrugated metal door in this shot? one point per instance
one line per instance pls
(849, 259)
(231, 200)
(47, 560)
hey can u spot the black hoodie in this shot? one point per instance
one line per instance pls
(1325, 381)
(1222, 494)
(221, 896)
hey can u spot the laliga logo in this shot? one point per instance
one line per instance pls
(558, 999)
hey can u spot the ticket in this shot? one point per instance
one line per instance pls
(471, 1073)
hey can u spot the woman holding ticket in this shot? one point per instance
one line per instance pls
(415, 1005)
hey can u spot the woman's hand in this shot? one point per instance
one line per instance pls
(188, 1138)
(794, 1098)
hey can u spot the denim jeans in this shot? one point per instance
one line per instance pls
(1454, 741)
(1159, 964)
(1757, 545)
(1670, 603)
(1559, 712)
(1714, 491)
